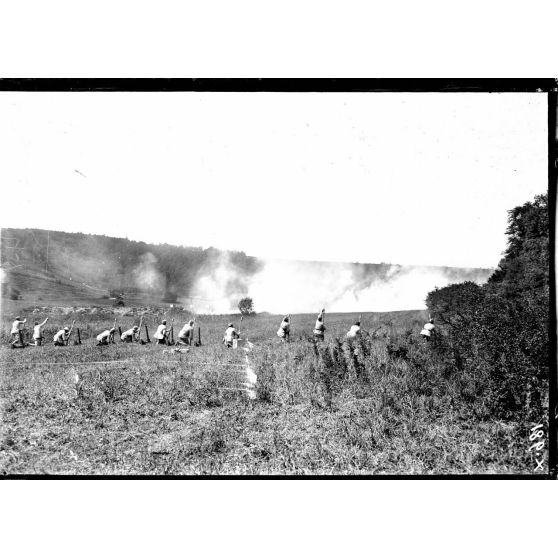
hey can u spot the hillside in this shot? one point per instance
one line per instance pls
(62, 268)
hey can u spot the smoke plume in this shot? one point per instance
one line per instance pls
(294, 287)
(147, 275)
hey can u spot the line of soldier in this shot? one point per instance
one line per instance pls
(186, 334)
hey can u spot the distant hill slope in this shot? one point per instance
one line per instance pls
(59, 267)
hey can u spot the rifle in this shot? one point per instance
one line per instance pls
(147, 334)
(139, 329)
(111, 336)
(170, 339)
(288, 335)
(235, 341)
(70, 333)
(79, 336)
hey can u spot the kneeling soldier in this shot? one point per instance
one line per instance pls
(130, 335)
(319, 328)
(16, 327)
(284, 330)
(38, 332)
(355, 331)
(186, 335)
(106, 337)
(161, 333)
(230, 335)
(61, 337)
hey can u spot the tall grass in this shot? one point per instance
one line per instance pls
(386, 404)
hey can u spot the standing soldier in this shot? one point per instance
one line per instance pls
(16, 327)
(230, 335)
(130, 335)
(284, 330)
(38, 332)
(161, 333)
(319, 328)
(106, 337)
(61, 337)
(427, 330)
(355, 331)
(186, 334)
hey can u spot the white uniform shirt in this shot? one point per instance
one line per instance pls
(186, 331)
(17, 325)
(427, 329)
(284, 328)
(319, 327)
(354, 331)
(161, 330)
(230, 334)
(60, 336)
(37, 330)
(104, 335)
(128, 333)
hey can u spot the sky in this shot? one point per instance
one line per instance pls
(418, 179)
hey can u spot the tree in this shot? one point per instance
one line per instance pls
(525, 265)
(498, 333)
(246, 306)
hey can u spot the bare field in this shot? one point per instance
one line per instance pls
(384, 405)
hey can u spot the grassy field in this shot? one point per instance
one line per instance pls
(385, 405)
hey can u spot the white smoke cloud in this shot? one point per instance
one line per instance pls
(219, 287)
(146, 274)
(292, 287)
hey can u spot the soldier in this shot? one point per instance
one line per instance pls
(186, 334)
(284, 330)
(38, 333)
(230, 335)
(319, 328)
(130, 335)
(427, 330)
(16, 327)
(355, 331)
(106, 337)
(161, 333)
(61, 337)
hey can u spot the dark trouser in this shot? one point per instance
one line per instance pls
(38, 341)
(59, 344)
(15, 338)
(127, 339)
(162, 341)
(319, 336)
(185, 340)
